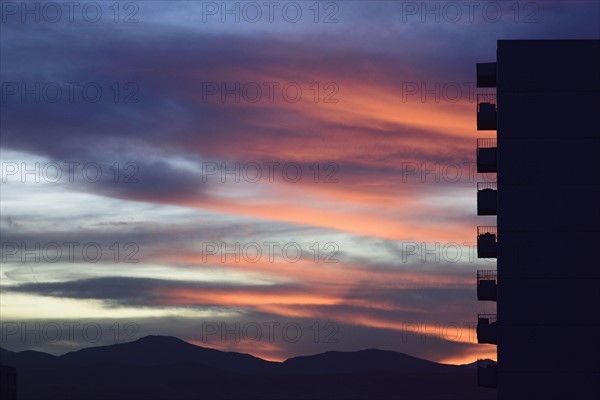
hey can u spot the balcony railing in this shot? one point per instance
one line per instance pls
(486, 112)
(487, 155)
(487, 373)
(487, 243)
(487, 198)
(487, 329)
(486, 74)
(487, 285)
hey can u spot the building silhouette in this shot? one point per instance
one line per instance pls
(545, 155)
(8, 382)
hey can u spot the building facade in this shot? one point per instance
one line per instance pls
(8, 383)
(546, 198)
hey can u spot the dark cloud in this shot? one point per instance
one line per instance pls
(423, 326)
(426, 305)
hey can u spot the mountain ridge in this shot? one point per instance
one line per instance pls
(165, 367)
(159, 349)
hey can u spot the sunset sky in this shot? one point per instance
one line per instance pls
(328, 147)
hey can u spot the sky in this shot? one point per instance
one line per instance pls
(276, 178)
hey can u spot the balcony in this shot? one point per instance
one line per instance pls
(487, 155)
(487, 244)
(487, 329)
(487, 373)
(487, 285)
(486, 112)
(486, 74)
(487, 198)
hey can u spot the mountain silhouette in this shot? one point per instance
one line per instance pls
(162, 367)
(481, 363)
(364, 361)
(24, 359)
(153, 350)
